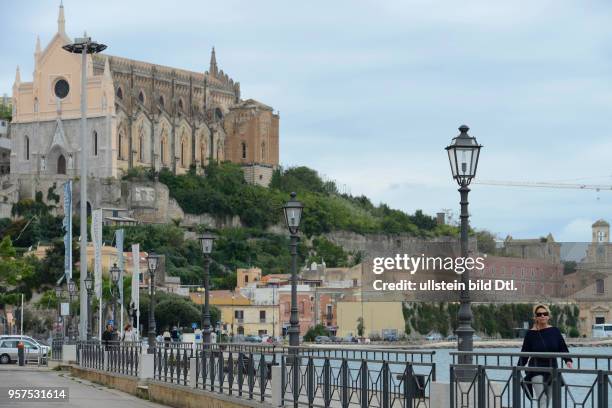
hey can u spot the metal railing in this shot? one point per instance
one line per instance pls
(244, 373)
(349, 382)
(119, 357)
(171, 362)
(57, 346)
(495, 380)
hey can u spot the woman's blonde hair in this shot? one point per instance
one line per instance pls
(540, 306)
(535, 309)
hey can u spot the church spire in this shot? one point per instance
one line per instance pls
(37, 45)
(17, 76)
(107, 72)
(213, 63)
(61, 20)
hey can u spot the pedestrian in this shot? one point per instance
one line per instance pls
(542, 338)
(159, 338)
(167, 338)
(175, 335)
(128, 334)
(108, 336)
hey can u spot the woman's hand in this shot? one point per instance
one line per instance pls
(569, 364)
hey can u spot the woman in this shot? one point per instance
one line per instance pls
(542, 338)
(128, 334)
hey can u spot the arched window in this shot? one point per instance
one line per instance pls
(244, 150)
(26, 152)
(141, 97)
(599, 286)
(161, 100)
(119, 93)
(203, 153)
(94, 143)
(263, 151)
(141, 147)
(183, 153)
(120, 146)
(162, 150)
(180, 104)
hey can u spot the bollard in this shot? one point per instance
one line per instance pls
(277, 386)
(21, 353)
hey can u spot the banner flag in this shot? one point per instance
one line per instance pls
(67, 224)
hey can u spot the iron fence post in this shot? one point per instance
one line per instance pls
(516, 388)
(385, 385)
(481, 387)
(364, 384)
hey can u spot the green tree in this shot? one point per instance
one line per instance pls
(313, 332)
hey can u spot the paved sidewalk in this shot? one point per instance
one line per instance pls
(81, 393)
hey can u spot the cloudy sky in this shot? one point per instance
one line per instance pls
(370, 93)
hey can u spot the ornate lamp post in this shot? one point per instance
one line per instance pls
(114, 273)
(89, 286)
(293, 214)
(206, 241)
(152, 263)
(71, 295)
(84, 46)
(463, 154)
(58, 294)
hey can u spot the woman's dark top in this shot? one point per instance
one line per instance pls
(548, 340)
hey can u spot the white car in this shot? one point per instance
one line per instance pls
(9, 351)
(43, 347)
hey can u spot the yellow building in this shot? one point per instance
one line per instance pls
(240, 316)
(378, 317)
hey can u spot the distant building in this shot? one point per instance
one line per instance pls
(544, 248)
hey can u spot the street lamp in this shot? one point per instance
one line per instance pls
(71, 295)
(207, 241)
(114, 273)
(58, 294)
(84, 46)
(463, 154)
(89, 286)
(293, 214)
(152, 263)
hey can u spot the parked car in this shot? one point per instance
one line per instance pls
(9, 353)
(44, 347)
(434, 337)
(451, 337)
(322, 339)
(252, 339)
(350, 339)
(390, 337)
(476, 337)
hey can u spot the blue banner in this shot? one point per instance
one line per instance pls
(68, 230)
(119, 241)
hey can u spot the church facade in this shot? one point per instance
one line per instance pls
(139, 115)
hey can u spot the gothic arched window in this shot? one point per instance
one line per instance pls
(183, 153)
(161, 100)
(119, 93)
(244, 150)
(120, 146)
(141, 97)
(94, 143)
(141, 147)
(180, 104)
(162, 150)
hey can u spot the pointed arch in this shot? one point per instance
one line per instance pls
(119, 93)
(26, 152)
(94, 143)
(120, 145)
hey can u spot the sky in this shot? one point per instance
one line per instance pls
(370, 93)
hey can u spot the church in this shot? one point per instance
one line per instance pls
(139, 115)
